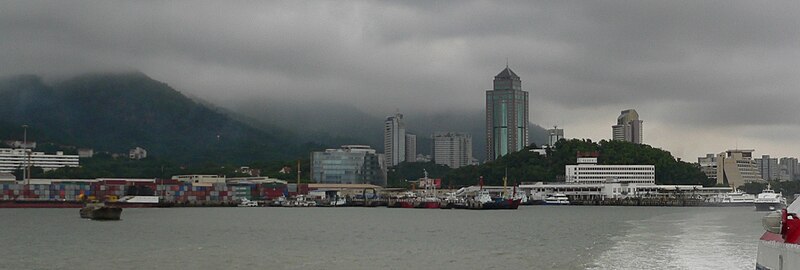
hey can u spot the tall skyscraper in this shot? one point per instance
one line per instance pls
(411, 147)
(628, 127)
(452, 149)
(394, 140)
(506, 115)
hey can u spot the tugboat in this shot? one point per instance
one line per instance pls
(769, 200)
(483, 201)
(99, 210)
(779, 246)
(429, 200)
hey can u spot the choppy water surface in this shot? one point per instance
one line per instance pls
(533, 237)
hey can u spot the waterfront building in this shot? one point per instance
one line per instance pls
(554, 135)
(350, 164)
(588, 171)
(452, 149)
(737, 167)
(411, 147)
(13, 159)
(137, 153)
(788, 167)
(200, 179)
(506, 115)
(616, 190)
(768, 167)
(628, 127)
(394, 140)
(708, 165)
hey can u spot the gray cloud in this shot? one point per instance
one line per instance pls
(701, 68)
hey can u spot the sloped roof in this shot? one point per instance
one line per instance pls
(507, 73)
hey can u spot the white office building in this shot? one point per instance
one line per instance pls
(13, 159)
(588, 171)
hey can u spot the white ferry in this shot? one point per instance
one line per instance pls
(769, 200)
(735, 198)
(779, 246)
(556, 199)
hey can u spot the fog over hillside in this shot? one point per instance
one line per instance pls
(704, 76)
(332, 124)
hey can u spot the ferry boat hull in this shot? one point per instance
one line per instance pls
(768, 206)
(500, 204)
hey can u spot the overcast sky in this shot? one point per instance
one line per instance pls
(705, 76)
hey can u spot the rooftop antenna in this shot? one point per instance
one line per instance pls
(506, 62)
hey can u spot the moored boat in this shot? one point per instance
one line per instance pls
(556, 199)
(248, 203)
(734, 198)
(769, 200)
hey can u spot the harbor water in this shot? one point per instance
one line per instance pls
(533, 237)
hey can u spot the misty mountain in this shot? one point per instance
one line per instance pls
(333, 124)
(116, 112)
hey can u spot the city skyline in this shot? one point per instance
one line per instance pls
(707, 77)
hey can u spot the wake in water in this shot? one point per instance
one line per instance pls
(694, 239)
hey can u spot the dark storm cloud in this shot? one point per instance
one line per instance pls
(700, 65)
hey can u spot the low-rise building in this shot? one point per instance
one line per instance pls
(350, 164)
(13, 159)
(588, 171)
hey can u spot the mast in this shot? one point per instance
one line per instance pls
(505, 180)
(298, 177)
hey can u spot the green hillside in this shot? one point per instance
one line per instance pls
(528, 166)
(116, 112)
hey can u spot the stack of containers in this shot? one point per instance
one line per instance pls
(242, 192)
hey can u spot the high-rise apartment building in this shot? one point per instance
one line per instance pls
(737, 167)
(452, 149)
(628, 127)
(506, 115)
(411, 147)
(554, 135)
(788, 169)
(768, 167)
(394, 140)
